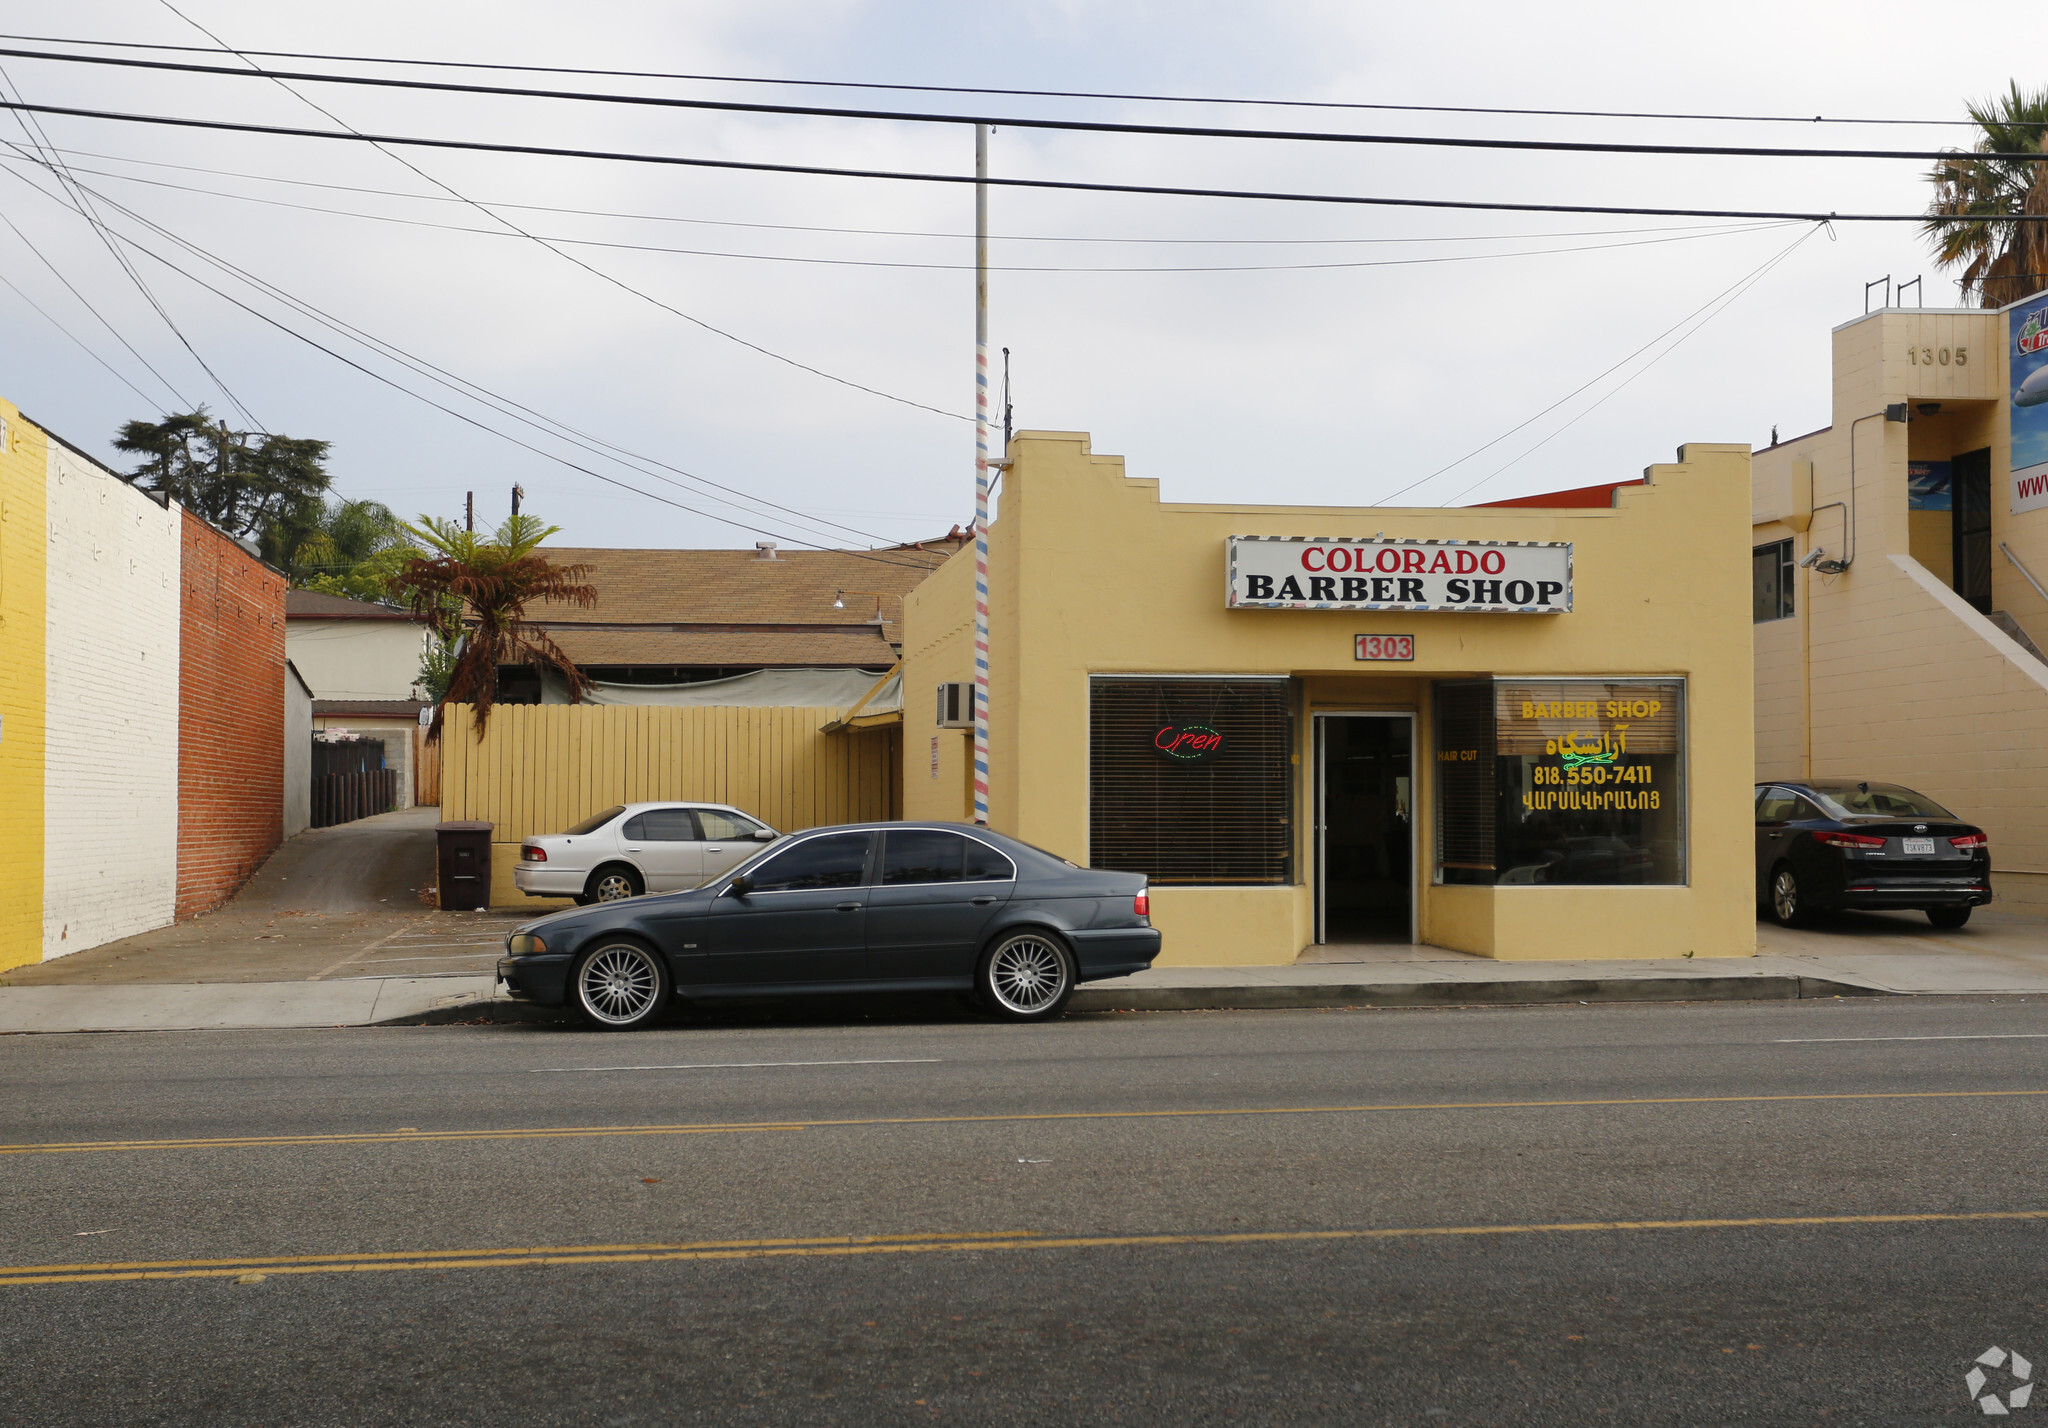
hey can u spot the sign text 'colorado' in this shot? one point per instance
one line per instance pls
(1480, 577)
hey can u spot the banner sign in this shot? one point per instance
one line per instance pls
(2029, 401)
(1479, 577)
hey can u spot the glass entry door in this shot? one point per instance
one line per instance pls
(1365, 828)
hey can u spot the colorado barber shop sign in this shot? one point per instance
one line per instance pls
(1480, 577)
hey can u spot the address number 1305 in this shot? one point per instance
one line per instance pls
(1386, 647)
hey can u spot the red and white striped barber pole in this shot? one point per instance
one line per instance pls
(980, 474)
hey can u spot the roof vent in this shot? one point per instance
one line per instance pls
(765, 550)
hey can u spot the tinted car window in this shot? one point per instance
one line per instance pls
(635, 828)
(597, 820)
(722, 826)
(923, 855)
(1855, 800)
(985, 864)
(834, 860)
(667, 825)
(1777, 806)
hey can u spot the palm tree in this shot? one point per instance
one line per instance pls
(474, 590)
(350, 548)
(1973, 221)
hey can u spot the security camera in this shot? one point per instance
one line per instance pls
(1813, 557)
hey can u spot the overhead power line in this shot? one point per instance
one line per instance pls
(1684, 236)
(1077, 126)
(500, 219)
(869, 232)
(1073, 185)
(473, 391)
(1333, 104)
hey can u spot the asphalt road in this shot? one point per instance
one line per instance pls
(1515, 1216)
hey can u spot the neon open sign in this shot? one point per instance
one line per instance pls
(1189, 743)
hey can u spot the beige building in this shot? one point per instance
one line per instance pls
(1900, 556)
(1523, 732)
(362, 662)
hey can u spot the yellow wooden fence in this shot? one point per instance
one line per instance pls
(542, 767)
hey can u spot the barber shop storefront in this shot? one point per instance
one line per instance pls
(1516, 731)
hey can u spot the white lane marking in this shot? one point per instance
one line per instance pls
(1971, 1036)
(748, 1065)
(443, 957)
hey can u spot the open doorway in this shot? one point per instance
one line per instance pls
(1365, 822)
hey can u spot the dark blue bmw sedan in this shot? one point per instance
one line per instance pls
(861, 908)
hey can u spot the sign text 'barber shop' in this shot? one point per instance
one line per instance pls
(1476, 577)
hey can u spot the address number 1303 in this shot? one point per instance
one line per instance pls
(1400, 647)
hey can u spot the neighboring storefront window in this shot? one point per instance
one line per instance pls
(1189, 780)
(1580, 781)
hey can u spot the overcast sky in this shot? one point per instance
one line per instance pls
(1319, 384)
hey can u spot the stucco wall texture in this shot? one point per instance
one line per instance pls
(111, 743)
(231, 716)
(24, 542)
(1883, 671)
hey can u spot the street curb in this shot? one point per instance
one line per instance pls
(1280, 997)
(1272, 996)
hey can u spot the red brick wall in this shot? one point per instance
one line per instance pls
(230, 717)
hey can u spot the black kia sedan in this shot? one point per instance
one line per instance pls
(859, 908)
(1843, 843)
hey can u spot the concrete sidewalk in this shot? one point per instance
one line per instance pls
(2002, 952)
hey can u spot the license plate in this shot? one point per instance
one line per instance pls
(1918, 847)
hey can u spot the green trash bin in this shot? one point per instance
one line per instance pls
(464, 857)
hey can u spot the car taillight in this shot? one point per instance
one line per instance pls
(1142, 903)
(1848, 840)
(1971, 840)
(533, 855)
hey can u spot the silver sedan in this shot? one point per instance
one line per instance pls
(638, 848)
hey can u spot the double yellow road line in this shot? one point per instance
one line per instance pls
(251, 1270)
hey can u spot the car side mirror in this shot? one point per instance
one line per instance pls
(765, 835)
(739, 886)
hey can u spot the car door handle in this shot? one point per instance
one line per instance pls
(848, 907)
(981, 901)
(713, 848)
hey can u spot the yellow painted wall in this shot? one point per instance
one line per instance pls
(1090, 573)
(1890, 675)
(24, 545)
(541, 768)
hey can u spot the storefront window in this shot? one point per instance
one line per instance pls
(1586, 782)
(1190, 780)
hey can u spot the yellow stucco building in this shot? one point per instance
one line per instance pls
(1899, 559)
(1517, 731)
(24, 543)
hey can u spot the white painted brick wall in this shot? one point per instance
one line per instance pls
(111, 786)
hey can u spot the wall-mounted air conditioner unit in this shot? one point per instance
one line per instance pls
(956, 706)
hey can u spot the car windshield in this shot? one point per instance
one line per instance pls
(1881, 800)
(596, 821)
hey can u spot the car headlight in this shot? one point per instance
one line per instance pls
(524, 944)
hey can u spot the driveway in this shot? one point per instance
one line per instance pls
(330, 904)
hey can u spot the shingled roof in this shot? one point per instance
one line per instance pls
(737, 607)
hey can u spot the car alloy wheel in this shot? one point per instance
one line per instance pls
(1027, 977)
(613, 884)
(621, 986)
(1786, 907)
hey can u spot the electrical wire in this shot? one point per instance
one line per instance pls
(1729, 300)
(1071, 185)
(87, 304)
(32, 129)
(863, 232)
(83, 346)
(595, 272)
(1599, 377)
(1071, 126)
(1682, 237)
(1008, 93)
(473, 391)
